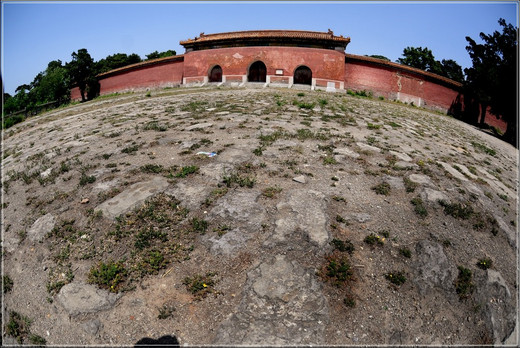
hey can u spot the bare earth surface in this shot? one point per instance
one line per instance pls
(114, 229)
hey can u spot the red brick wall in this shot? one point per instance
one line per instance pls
(153, 76)
(393, 83)
(325, 64)
(75, 94)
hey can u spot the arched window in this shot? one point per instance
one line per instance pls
(303, 75)
(257, 72)
(215, 75)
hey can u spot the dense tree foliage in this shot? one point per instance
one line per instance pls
(155, 54)
(423, 58)
(379, 57)
(115, 61)
(492, 79)
(51, 85)
(81, 70)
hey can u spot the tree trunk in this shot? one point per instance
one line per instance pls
(483, 110)
(510, 135)
(82, 91)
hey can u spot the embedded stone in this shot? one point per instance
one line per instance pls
(41, 228)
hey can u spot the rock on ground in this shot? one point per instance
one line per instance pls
(79, 299)
(132, 197)
(283, 304)
(41, 228)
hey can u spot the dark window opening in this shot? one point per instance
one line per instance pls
(303, 76)
(257, 72)
(215, 74)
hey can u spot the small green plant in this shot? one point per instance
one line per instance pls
(7, 283)
(338, 199)
(341, 219)
(329, 160)
(349, 301)
(165, 311)
(373, 126)
(409, 185)
(86, 179)
(148, 94)
(185, 171)
(37, 340)
(503, 197)
(343, 246)
(235, 178)
(199, 225)
(271, 191)
(405, 252)
(337, 270)
(323, 102)
(152, 168)
(200, 285)
(463, 284)
(130, 149)
(258, 151)
(152, 262)
(396, 277)
(457, 210)
(18, 326)
(382, 188)
(108, 275)
(301, 94)
(485, 263)
(145, 236)
(419, 207)
(154, 125)
(373, 239)
(483, 148)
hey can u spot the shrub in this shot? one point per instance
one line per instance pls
(485, 263)
(152, 168)
(199, 225)
(7, 283)
(85, 179)
(419, 207)
(396, 277)
(144, 237)
(405, 252)
(372, 239)
(382, 189)
(200, 285)
(457, 210)
(463, 284)
(108, 275)
(343, 245)
(185, 171)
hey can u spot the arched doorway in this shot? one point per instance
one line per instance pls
(215, 75)
(303, 76)
(257, 72)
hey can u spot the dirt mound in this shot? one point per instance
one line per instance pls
(257, 216)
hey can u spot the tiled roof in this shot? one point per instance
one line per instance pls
(254, 34)
(141, 64)
(403, 67)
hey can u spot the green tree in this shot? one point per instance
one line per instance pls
(81, 70)
(452, 70)
(379, 57)
(156, 54)
(420, 58)
(115, 61)
(493, 77)
(54, 84)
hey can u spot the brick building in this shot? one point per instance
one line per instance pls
(283, 58)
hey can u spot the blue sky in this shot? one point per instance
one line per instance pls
(35, 33)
